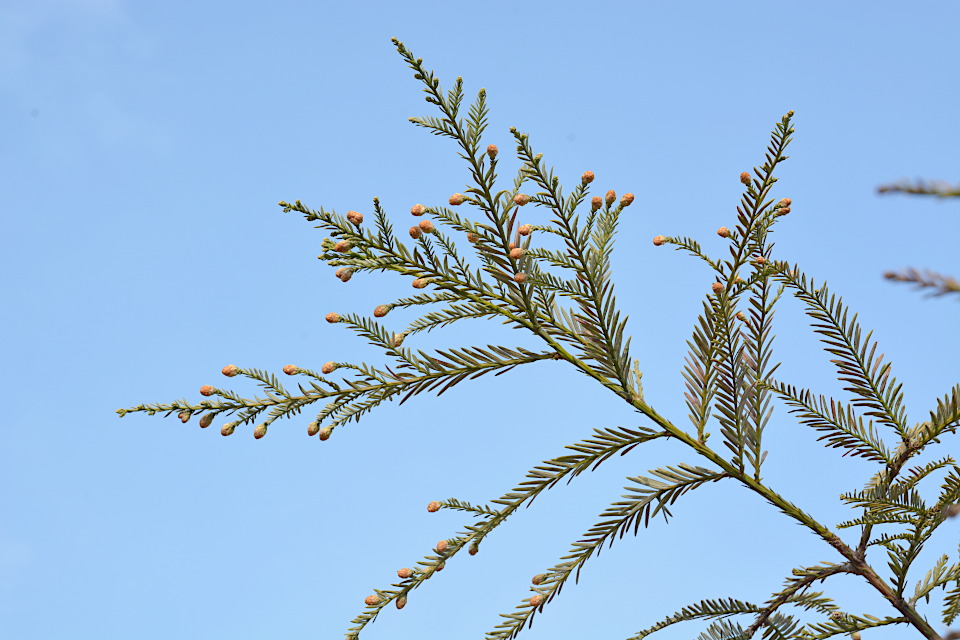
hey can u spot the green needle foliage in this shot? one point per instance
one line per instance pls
(560, 289)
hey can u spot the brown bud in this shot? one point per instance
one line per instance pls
(540, 577)
(372, 600)
(610, 197)
(517, 253)
(536, 600)
(207, 390)
(290, 369)
(785, 202)
(723, 232)
(472, 237)
(230, 370)
(312, 429)
(420, 283)
(741, 316)
(343, 246)
(760, 260)
(596, 203)
(717, 287)
(329, 367)
(492, 150)
(457, 199)
(381, 310)
(521, 199)
(401, 602)
(855, 635)
(332, 318)
(473, 549)
(782, 211)
(397, 339)
(344, 274)
(659, 240)
(205, 420)
(626, 200)
(512, 246)
(442, 546)
(433, 506)
(426, 226)
(260, 431)
(405, 573)
(520, 277)
(184, 416)
(587, 177)
(745, 178)
(415, 233)
(418, 209)
(227, 429)
(525, 230)
(355, 217)
(325, 433)
(441, 566)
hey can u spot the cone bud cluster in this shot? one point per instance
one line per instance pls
(372, 600)
(401, 602)
(355, 217)
(405, 573)
(520, 277)
(344, 274)
(398, 339)
(540, 577)
(536, 600)
(610, 197)
(473, 549)
(420, 283)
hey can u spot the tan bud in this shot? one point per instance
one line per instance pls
(205, 420)
(442, 546)
(418, 209)
(426, 226)
(227, 429)
(329, 367)
(405, 573)
(723, 232)
(433, 506)
(372, 600)
(344, 274)
(472, 237)
(398, 339)
(343, 246)
(420, 283)
(659, 240)
(536, 600)
(381, 310)
(587, 177)
(312, 429)
(782, 211)
(332, 318)
(290, 369)
(540, 577)
(260, 431)
(473, 549)
(785, 202)
(741, 316)
(717, 287)
(745, 178)
(230, 370)
(207, 390)
(184, 416)
(610, 197)
(325, 433)
(355, 217)
(492, 150)
(596, 203)
(521, 199)
(855, 635)
(415, 233)
(626, 200)
(760, 260)
(525, 230)
(520, 277)
(441, 566)
(401, 602)
(517, 253)
(457, 199)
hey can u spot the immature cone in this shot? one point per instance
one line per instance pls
(723, 232)
(405, 573)
(325, 433)
(227, 429)
(343, 246)
(741, 316)
(745, 178)
(492, 150)
(381, 310)
(521, 199)
(760, 260)
(205, 420)
(426, 226)
(785, 202)
(398, 339)
(441, 566)
(372, 600)
(418, 209)
(207, 390)
(855, 635)
(610, 197)
(457, 199)
(419, 283)
(290, 369)
(473, 549)
(587, 177)
(536, 600)
(717, 287)
(184, 416)
(442, 546)
(332, 318)
(525, 230)
(312, 429)
(472, 237)
(537, 579)
(260, 431)
(659, 240)
(517, 253)
(329, 367)
(520, 277)
(782, 211)
(401, 602)
(355, 217)
(433, 506)
(596, 203)
(344, 274)
(415, 233)
(626, 200)
(230, 370)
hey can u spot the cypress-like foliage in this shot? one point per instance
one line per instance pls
(564, 296)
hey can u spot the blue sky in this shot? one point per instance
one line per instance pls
(145, 148)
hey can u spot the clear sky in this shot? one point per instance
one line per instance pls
(145, 147)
